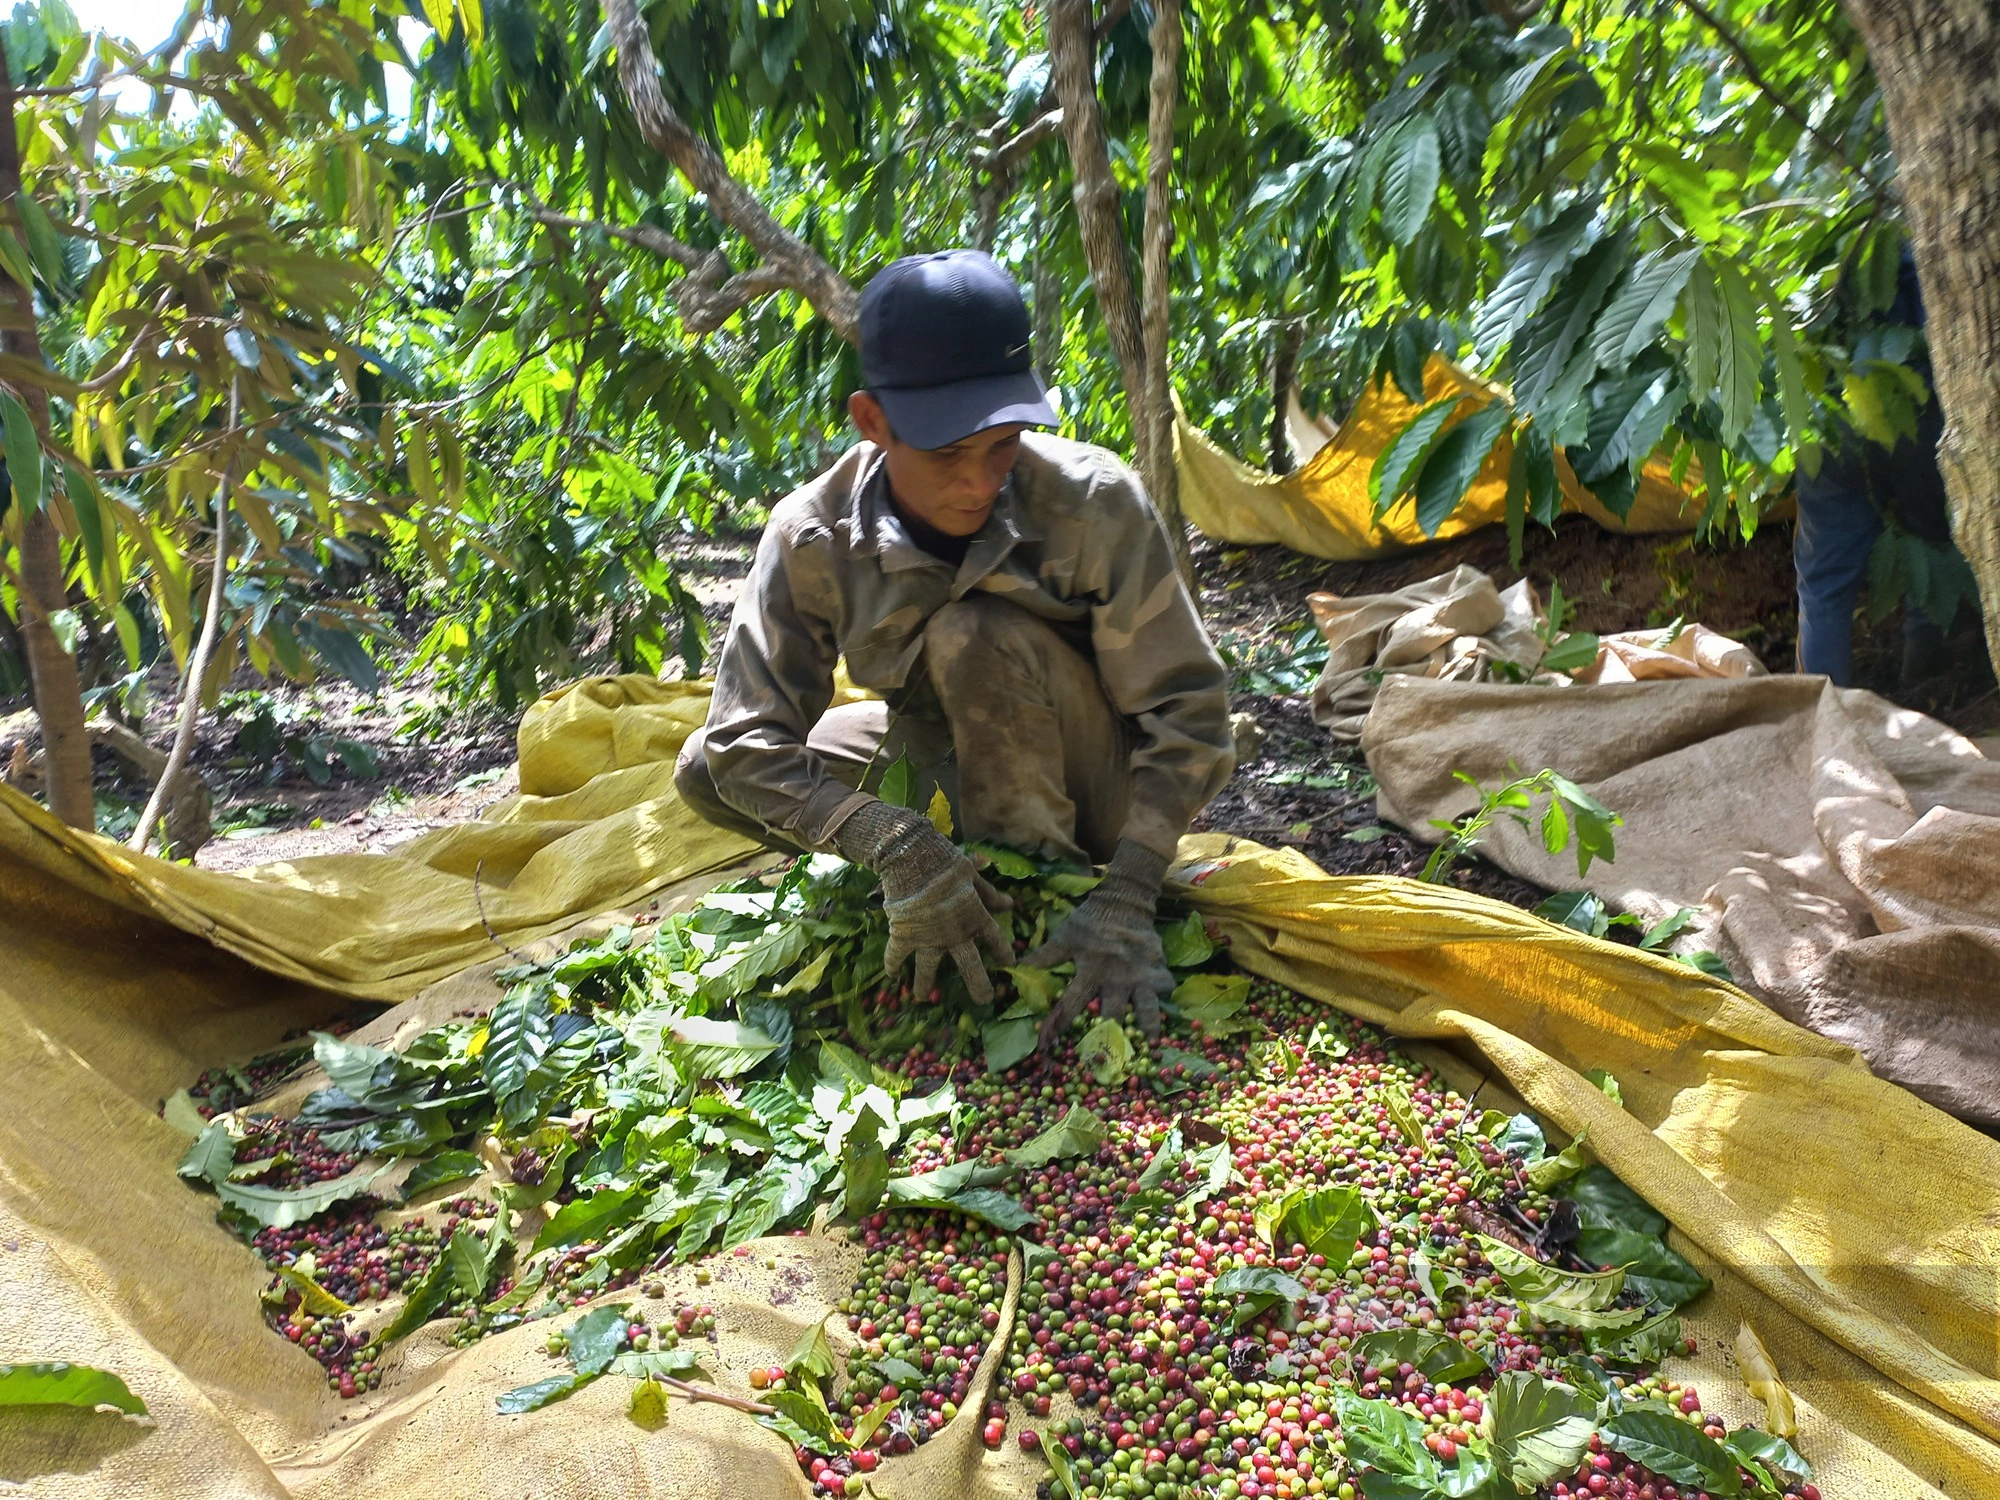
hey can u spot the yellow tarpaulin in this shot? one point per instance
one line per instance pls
(1323, 507)
(1856, 1227)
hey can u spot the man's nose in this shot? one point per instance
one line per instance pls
(982, 484)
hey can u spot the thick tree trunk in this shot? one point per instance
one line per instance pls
(1290, 338)
(1939, 66)
(58, 692)
(1047, 287)
(1073, 70)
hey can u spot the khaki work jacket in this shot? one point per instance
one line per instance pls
(1072, 538)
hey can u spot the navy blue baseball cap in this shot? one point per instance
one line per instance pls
(945, 348)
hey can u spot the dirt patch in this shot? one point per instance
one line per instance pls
(1303, 791)
(325, 769)
(373, 822)
(1745, 590)
(713, 568)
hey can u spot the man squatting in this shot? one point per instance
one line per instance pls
(1013, 597)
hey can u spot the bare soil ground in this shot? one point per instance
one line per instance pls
(393, 765)
(420, 767)
(1305, 792)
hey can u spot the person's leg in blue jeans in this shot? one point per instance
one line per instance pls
(1836, 531)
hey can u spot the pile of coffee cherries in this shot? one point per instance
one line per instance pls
(1122, 1353)
(355, 1258)
(278, 1153)
(231, 1086)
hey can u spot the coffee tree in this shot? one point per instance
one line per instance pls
(1663, 228)
(181, 392)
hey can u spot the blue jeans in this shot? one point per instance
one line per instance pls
(1836, 532)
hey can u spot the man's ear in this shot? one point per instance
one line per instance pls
(869, 419)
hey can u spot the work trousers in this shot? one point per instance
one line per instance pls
(1841, 505)
(1831, 545)
(1016, 732)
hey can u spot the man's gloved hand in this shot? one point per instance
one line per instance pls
(1116, 947)
(937, 902)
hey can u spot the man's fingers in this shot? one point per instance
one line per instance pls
(1057, 1021)
(977, 982)
(1148, 990)
(1115, 1002)
(1076, 994)
(1054, 951)
(927, 967)
(1149, 1013)
(993, 899)
(1066, 1009)
(894, 955)
(996, 943)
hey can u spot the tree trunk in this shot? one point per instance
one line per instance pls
(1072, 66)
(1291, 336)
(1938, 62)
(58, 692)
(174, 768)
(1047, 287)
(1156, 260)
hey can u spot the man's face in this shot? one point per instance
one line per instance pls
(950, 488)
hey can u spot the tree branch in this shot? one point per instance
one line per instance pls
(1513, 17)
(116, 374)
(996, 169)
(204, 652)
(998, 163)
(1007, 153)
(794, 263)
(96, 85)
(1048, 113)
(1769, 90)
(712, 291)
(721, 1398)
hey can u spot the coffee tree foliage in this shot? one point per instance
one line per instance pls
(488, 352)
(1660, 227)
(197, 270)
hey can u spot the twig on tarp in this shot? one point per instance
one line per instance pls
(720, 1398)
(492, 936)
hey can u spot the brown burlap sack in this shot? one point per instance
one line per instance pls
(1459, 627)
(1843, 854)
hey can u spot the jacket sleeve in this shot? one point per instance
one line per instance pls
(1157, 664)
(772, 683)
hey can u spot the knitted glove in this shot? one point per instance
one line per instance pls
(1115, 945)
(937, 902)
